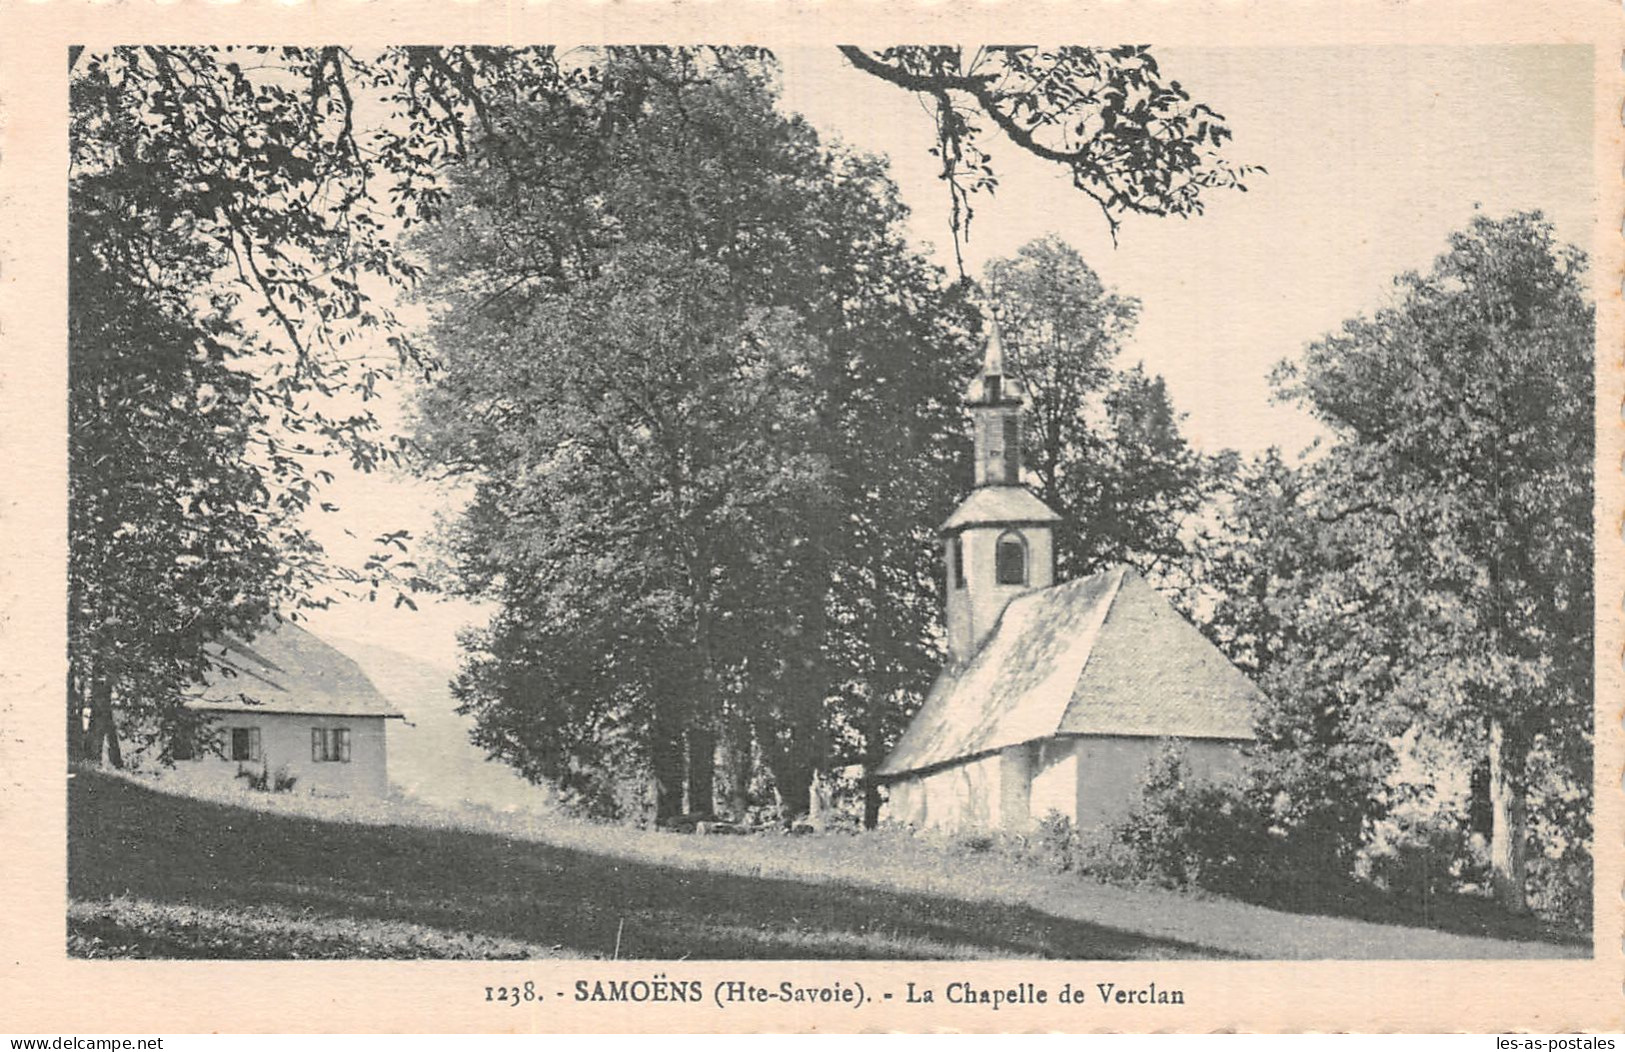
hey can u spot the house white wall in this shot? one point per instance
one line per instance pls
(285, 746)
(1092, 780)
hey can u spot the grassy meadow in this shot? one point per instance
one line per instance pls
(250, 875)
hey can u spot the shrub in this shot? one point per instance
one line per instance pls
(263, 781)
(846, 788)
(1104, 856)
(1213, 836)
(1417, 857)
(1560, 888)
(974, 843)
(258, 781)
(1055, 842)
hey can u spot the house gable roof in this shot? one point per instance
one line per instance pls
(286, 669)
(1103, 655)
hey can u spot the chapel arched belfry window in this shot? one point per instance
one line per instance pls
(1011, 558)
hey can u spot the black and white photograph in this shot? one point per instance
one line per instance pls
(602, 505)
(611, 502)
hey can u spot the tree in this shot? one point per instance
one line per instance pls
(1103, 442)
(1432, 566)
(167, 515)
(901, 347)
(799, 494)
(290, 174)
(647, 430)
(197, 442)
(1132, 142)
(1271, 578)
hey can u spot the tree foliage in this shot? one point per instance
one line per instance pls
(204, 191)
(168, 516)
(678, 403)
(286, 177)
(1324, 741)
(1430, 570)
(1133, 141)
(1102, 441)
(656, 444)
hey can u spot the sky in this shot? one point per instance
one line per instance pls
(1374, 154)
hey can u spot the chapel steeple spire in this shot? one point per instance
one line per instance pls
(995, 399)
(999, 543)
(993, 359)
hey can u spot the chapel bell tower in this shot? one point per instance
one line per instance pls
(1000, 542)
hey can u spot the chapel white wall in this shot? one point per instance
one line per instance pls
(1093, 781)
(972, 611)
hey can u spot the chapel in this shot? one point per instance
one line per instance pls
(1055, 697)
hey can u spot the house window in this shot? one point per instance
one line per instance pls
(245, 743)
(1012, 559)
(956, 561)
(330, 744)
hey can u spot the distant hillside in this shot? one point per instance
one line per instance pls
(430, 755)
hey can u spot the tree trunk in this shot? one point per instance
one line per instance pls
(1508, 757)
(795, 788)
(874, 751)
(802, 753)
(820, 801)
(76, 721)
(702, 770)
(882, 644)
(701, 733)
(102, 727)
(667, 768)
(736, 750)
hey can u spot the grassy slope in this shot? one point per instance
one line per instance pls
(152, 874)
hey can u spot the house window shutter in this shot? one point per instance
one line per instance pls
(342, 736)
(254, 744)
(316, 749)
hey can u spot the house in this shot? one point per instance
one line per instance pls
(1054, 697)
(289, 706)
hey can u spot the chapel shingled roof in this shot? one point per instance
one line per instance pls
(287, 669)
(1006, 505)
(1102, 655)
